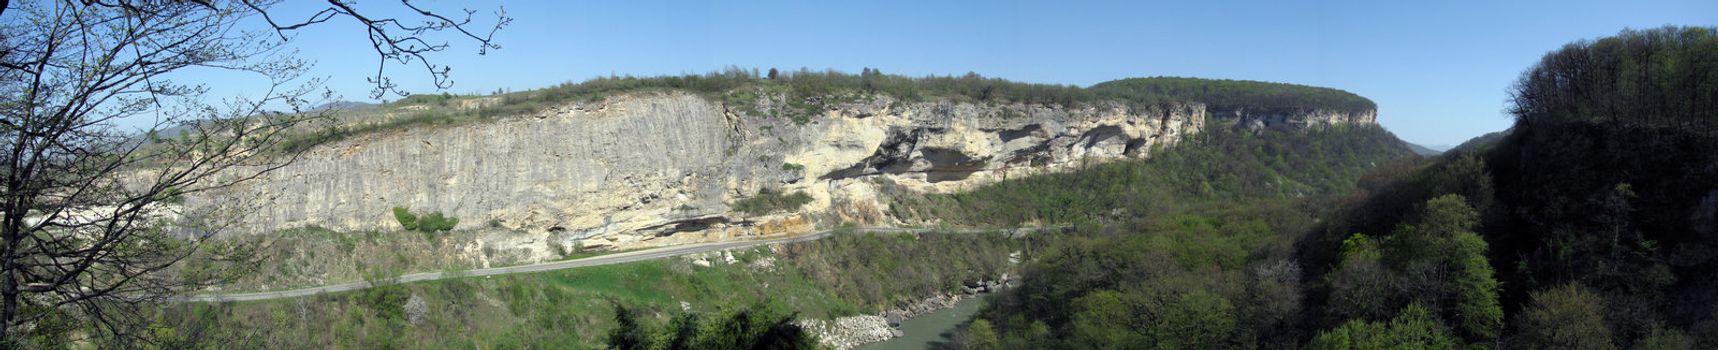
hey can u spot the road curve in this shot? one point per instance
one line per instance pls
(617, 258)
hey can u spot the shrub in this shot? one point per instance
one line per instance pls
(1414, 328)
(407, 221)
(770, 201)
(428, 223)
(757, 327)
(1564, 317)
(435, 221)
(980, 336)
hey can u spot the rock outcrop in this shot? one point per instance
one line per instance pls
(1256, 119)
(658, 168)
(849, 332)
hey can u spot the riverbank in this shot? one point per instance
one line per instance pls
(918, 323)
(928, 330)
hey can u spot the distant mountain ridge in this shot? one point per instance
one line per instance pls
(1422, 150)
(342, 105)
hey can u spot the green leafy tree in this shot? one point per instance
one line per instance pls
(1361, 286)
(1414, 328)
(980, 336)
(628, 333)
(1475, 288)
(1443, 259)
(756, 327)
(1425, 241)
(1564, 317)
(686, 329)
(1195, 319)
(1102, 320)
(1665, 339)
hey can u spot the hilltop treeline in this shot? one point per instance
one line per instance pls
(1596, 213)
(736, 85)
(1665, 77)
(803, 94)
(805, 89)
(1238, 94)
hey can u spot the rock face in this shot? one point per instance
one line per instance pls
(1319, 119)
(849, 332)
(654, 169)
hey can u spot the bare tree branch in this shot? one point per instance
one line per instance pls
(92, 228)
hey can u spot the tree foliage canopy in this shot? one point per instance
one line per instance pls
(1227, 95)
(1414, 328)
(1663, 77)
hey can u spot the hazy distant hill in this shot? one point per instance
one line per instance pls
(1422, 150)
(1486, 140)
(342, 106)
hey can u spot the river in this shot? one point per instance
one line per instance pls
(926, 331)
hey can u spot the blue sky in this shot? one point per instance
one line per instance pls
(1439, 70)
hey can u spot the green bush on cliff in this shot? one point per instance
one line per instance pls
(407, 221)
(432, 222)
(771, 201)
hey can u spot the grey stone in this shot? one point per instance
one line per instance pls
(647, 168)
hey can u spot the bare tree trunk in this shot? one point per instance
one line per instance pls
(90, 237)
(8, 283)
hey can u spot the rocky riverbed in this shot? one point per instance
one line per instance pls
(852, 331)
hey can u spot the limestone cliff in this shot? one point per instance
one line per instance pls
(1260, 118)
(661, 168)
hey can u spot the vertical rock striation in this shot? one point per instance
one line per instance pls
(660, 168)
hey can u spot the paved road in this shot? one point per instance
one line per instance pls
(610, 259)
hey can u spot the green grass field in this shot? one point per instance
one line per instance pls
(574, 308)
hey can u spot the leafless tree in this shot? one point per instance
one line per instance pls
(90, 225)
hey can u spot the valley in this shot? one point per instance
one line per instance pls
(260, 174)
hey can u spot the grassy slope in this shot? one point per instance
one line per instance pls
(842, 275)
(314, 256)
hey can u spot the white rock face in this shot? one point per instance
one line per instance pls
(849, 332)
(1316, 119)
(656, 169)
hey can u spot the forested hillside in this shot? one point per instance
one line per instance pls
(1597, 207)
(1589, 226)
(1194, 248)
(1223, 166)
